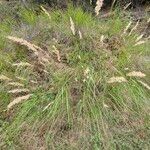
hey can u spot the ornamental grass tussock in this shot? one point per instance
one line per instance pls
(66, 75)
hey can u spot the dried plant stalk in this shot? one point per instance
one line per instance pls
(4, 78)
(80, 35)
(15, 91)
(127, 27)
(15, 84)
(56, 51)
(21, 78)
(23, 42)
(127, 6)
(72, 26)
(22, 64)
(42, 55)
(139, 43)
(98, 7)
(116, 79)
(136, 74)
(18, 100)
(139, 37)
(144, 84)
(134, 28)
(46, 12)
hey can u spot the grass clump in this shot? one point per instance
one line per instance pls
(79, 93)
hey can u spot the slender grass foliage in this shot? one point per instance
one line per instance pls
(70, 80)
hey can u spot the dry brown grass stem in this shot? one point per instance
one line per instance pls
(116, 79)
(139, 43)
(15, 91)
(15, 84)
(23, 42)
(126, 7)
(46, 12)
(134, 28)
(22, 64)
(80, 35)
(144, 84)
(18, 100)
(102, 38)
(127, 27)
(4, 78)
(72, 26)
(136, 74)
(21, 78)
(42, 55)
(46, 107)
(56, 51)
(139, 37)
(98, 7)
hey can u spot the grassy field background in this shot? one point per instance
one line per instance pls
(70, 80)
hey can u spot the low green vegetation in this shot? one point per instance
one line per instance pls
(70, 80)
